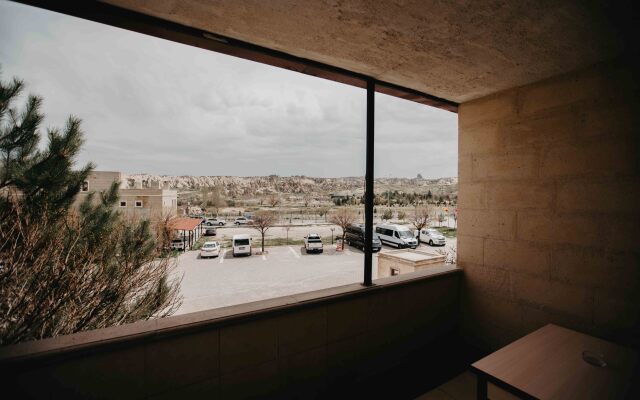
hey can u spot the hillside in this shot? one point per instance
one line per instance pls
(237, 187)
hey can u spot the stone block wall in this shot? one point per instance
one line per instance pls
(549, 207)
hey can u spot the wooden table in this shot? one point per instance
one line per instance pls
(548, 364)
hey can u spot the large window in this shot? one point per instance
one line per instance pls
(270, 164)
(416, 169)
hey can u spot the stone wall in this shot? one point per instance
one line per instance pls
(549, 200)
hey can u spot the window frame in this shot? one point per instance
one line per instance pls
(145, 24)
(135, 204)
(121, 203)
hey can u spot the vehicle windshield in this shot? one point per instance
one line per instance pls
(176, 241)
(209, 246)
(314, 240)
(433, 232)
(405, 234)
(241, 242)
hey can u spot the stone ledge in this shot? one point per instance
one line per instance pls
(208, 319)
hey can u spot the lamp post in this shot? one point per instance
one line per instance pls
(332, 229)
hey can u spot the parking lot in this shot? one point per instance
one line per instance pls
(294, 231)
(285, 270)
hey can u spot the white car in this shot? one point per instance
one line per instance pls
(242, 221)
(178, 244)
(313, 243)
(432, 236)
(215, 222)
(210, 249)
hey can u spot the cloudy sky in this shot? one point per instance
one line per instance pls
(154, 106)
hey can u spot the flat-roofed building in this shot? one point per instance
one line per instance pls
(150, 201)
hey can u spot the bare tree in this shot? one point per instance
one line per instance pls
(163, 232)
(57, 284)
(420, 218)
(204, 196)
(273, 200)
(286, 228)
(217, 199)
(451, 255)
(262, 221)
(343, 217)
(307, 198)
(322, 212)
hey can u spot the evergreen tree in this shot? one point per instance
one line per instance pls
(66, 269)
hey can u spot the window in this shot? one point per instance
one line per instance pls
(416, 160)
(278, 153)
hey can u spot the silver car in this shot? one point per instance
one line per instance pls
(215, 222)
(433, 237)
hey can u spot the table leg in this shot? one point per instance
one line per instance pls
(481, 389)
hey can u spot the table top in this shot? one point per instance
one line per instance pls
(548, 364)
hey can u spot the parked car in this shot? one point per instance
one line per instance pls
(313, 243)
(242, 221)
(210, 249)
(215, 222)
(354, 236)
(241, 245)
(177, 244)
(432, 236)
(396, 235)
(210, 231)
(200, 216)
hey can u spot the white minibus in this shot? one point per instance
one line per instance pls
(396, 235)
(241, 245)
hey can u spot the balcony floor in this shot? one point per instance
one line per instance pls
(463, 387)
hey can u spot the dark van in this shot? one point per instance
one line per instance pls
(354, 236)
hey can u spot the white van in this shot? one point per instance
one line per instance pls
(241, 245)
(396, 235)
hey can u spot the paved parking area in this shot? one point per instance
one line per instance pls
(295, 231)
(285, 270)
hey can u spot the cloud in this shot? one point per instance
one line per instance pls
(150, 105)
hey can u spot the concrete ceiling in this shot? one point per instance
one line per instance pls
(457, 50)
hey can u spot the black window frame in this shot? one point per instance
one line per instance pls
(121, 18)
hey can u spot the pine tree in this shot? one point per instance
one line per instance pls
(66, 269)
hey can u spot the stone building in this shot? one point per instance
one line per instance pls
(149, 201)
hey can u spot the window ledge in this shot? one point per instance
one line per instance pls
(151, 329)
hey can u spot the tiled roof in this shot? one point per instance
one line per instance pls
(184, 223)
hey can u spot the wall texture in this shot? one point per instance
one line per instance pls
(299, 346)
(549, 205)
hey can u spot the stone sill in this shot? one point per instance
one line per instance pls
(202, 320)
